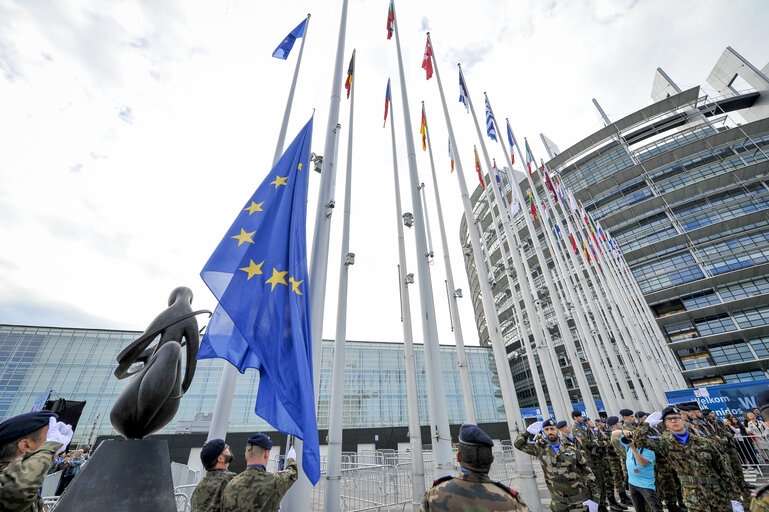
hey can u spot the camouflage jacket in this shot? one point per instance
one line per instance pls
(761, 502)
(567, 473)
(698, 464)
(256, 490)
(586, 439)
(471, 491)
(22, 478)
(207, 496)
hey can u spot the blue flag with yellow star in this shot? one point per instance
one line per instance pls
(284, 48)
(258, 273)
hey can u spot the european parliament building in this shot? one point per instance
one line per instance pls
(682, 185)
(78, 364)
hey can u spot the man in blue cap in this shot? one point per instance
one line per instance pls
(568, 476)
(589, 444)
(216, 457)
(256, 490)
(472, 489)
(28, 445)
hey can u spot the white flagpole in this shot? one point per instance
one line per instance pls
(616, 313)
(654, 377)
(415, 426)
(604, 334)
(563, 325)
(547, 356)
(464, 371)
(298, 497)
(290, 101)
(604, 388)
(221, 416)
(603, 318)
(335, 410)
(444, 463)
(515, 423)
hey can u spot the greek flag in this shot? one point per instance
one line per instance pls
(463, 93)
(490, 129)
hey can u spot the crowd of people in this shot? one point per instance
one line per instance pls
(683, 458)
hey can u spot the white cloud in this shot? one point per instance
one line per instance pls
(133, 132)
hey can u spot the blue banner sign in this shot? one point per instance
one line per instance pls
(734, 398)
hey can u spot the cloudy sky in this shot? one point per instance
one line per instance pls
(131, 133)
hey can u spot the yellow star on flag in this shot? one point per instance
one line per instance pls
(244, 237)
(253, 269)
(279, 181)
(255, 207)
(295, 285)
(277, 278)
(299, 167)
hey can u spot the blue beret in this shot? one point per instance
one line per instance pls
(23, 424)
(260, 439)
(625, 412)
(671, 409)
(211, 451)
(548, 423)
(612, 420)
(640, 414)
(472, 435)
(561, 424)
(576, 414)
(762, 400)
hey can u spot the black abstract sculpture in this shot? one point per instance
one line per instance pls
(151, 398)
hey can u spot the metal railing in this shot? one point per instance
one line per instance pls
(754, 452)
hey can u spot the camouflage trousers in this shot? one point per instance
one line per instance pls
(599, 467)
(618, 473)
(665, 481)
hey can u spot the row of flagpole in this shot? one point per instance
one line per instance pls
(600, 295)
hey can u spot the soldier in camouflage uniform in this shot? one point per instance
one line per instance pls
(725, 438)
(28, 445)
(256, 490)
(617, 460)
(696, 459)
(472, 489)
(587, 438)
(605, 452)
(569, 478)
(665, 479)
(216, 457)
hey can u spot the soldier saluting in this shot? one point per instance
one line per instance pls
(472, 489)
(28, 444)
(569, 479)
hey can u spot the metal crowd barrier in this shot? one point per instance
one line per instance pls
(754, 452)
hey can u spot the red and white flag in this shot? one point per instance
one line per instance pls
(427, 60)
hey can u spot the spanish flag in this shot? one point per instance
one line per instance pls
(423, 129)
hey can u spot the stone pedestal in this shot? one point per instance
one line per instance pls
(132, 475)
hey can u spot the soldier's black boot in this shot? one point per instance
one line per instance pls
(623, 498)
(616, 507)
(672, 507)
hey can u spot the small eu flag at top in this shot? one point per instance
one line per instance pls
(258, 273)
(284, 48)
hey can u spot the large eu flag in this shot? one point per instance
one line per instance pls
(258, 273)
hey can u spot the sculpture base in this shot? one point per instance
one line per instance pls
(121, 476)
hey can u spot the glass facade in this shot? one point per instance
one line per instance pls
(683, 186)
(78, 364)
